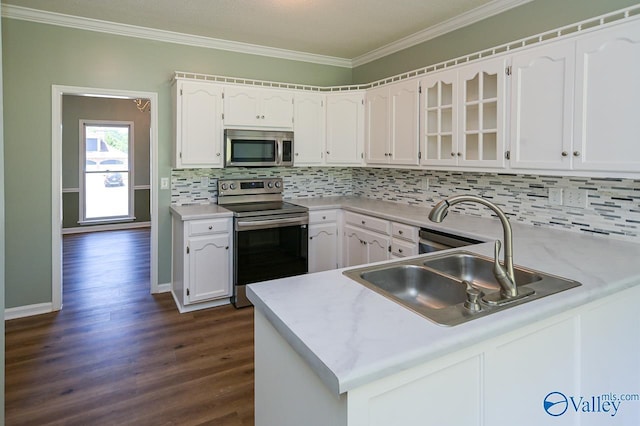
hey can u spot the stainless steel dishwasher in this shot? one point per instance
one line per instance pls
(432, 240)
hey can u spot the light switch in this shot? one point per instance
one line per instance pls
(164, 183)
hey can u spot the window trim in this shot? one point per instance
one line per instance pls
(129, 217)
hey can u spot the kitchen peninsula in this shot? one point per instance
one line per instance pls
(332, 352)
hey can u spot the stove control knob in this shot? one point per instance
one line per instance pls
(278, 184)
(270, 184)
(232, 186)
(224, 186)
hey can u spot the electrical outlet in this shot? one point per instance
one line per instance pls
(555, 196)
(164, 183)
(575, 198)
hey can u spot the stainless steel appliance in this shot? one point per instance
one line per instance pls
(258, 148)
(432, 240)
(270, 235)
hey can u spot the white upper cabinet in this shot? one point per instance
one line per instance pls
(249, 107)
(377, 132)
(439, 134)
(198, 125)
(542, 107)
(607, 118)
(392, 124)
(404, 122)
(481, 113)
(345, 128)
(309, 129)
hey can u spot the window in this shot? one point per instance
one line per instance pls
(106, 156)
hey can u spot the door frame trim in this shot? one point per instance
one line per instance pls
(57, 91)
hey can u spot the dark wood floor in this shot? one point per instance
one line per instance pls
(117, 355)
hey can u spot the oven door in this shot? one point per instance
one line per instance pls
(267, 249)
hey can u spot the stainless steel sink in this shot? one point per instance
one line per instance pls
(436, 286)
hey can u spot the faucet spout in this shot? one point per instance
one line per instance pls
(504, 275)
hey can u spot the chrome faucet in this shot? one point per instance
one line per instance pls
(504, 275)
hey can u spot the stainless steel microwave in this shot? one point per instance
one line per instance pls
(258, 148)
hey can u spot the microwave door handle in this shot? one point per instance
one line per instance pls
(278, 158)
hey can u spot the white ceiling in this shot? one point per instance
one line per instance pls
(347, 29)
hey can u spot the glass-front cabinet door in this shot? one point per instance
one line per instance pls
(481, 124)
(439, 141)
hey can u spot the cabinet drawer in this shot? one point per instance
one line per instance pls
(368, 222)
(401, 248)
(323, 216)
(208, 226)
(404, 232)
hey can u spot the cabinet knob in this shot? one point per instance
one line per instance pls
(400, 232)
(258, 117)
(324, 217)
(327, 152)
(565, 153)
(226, 248)
(311, 238)
(210, 227)
(363, 222)
(262, 116)
(297, 153)
(399, 250)
(218, 154)
(453, 154)
(576, 153)
(459, 154)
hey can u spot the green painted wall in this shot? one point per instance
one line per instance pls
(2, 235)
(76, 108)
(37, 56)
(529, 19)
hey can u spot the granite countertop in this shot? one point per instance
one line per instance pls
(351, 336)
(200, 211)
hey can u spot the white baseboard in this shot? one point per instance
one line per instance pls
(109, 227)
(28, 310)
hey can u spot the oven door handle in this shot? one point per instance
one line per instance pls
(250, 225)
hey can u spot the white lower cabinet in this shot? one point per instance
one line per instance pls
(366, 239)
(323, 241)
(404, 241)
(202, 256)
(576, 359)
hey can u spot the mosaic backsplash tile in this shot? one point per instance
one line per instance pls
(200, 186)
(613, 204)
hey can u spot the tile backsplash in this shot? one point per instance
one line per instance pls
(613, 204)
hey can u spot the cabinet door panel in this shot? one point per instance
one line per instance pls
(345, 129)
(607, 93)
(209, 268)
(323, 247)
(241, 106)
(276, 108)
(309, 128)
(404, 123)
(200, 132)
(378, 248)
(377, 125)
(542, 107)
(355, 251)
(439, 113)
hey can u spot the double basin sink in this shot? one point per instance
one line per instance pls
(437, 287)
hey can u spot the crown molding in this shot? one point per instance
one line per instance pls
(89, 24)
(478, 14)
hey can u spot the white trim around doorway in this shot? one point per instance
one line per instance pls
(57, 92)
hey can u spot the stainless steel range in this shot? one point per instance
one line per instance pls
(270, 235)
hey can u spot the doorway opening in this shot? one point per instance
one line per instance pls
(94, 133)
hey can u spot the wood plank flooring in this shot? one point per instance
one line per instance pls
(117, 355)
